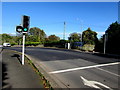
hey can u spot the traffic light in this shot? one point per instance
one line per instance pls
(26, 22)
(19, 29)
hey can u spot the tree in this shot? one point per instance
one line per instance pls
(112, 42)
(53, 38)
(89, 37)
(75, 37)
(6, 38)
(99, 47)
(113, 37)
(36, 35)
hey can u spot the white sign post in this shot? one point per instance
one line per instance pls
(68, 45)
(23, 49)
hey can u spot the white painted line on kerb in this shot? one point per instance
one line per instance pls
(80, 68)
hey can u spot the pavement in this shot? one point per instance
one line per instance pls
(16, 75)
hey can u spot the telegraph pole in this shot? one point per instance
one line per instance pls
(81, 34)
(105, 39)
(64, 31)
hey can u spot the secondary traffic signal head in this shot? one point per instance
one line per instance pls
(19, 29)
(26, 22)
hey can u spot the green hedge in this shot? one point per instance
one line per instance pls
(32, 43)
(12, 44)
(60, 44)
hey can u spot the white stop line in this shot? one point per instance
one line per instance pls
(80, 68)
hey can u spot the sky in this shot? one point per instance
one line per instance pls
(50, 16)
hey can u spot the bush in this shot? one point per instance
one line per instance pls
(88, 47)
(32, 43)
(12, 44)
(59, 44)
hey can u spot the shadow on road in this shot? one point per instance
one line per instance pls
(52, 54)
(1, 49)
(5, 77)
(18, 57)
(107, 55)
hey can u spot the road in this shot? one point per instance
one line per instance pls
(72, 69)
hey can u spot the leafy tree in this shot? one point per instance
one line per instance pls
(89, 37)
(36, 35)
(112, 42)
(31, 38)
(99, 47)
(6, 38)
(53, 38)
(75, 37)
(113, 37)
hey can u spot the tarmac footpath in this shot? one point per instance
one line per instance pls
(16, 75)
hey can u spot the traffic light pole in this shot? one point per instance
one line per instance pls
(23, 29)
(23, 49)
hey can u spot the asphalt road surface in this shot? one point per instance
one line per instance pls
(72, 69)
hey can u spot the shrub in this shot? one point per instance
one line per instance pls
(12, 44)
(32, 43)
(88, 47)
(60, 44)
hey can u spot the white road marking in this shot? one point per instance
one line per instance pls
(108, 72)
(80, 68)
(93, 84)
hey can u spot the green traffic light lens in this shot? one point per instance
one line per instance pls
(25, 29)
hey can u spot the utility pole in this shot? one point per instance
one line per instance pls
(105, 39)
(64, 31)
(81, 34)
(119, 13)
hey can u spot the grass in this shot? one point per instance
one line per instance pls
(45, 82)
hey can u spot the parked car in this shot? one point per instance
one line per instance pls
(6, 44)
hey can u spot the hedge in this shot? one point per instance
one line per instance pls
(60, 44)
(32, 43)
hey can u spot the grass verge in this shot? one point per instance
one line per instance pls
(44, 80)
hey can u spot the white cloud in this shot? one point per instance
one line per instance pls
(12, 34)
(59, 33)
(100, 33)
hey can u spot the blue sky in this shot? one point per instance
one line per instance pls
(50, 16)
